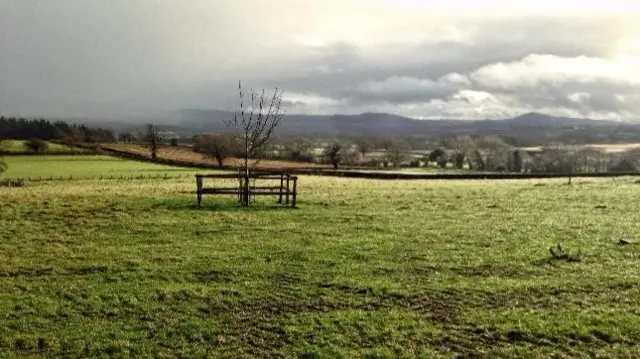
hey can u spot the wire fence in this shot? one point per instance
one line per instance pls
(164, 176)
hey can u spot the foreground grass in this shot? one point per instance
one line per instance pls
(362, 269)
(36, 167)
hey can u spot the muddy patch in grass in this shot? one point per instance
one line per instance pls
(87, 270)
(26, 272)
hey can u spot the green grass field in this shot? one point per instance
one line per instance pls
(362, 268)
(18, 146)
(88, 167)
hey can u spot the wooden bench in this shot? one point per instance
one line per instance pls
(286, 191)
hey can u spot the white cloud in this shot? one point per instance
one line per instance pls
(579, 97)
(403, 86)
(535, 70)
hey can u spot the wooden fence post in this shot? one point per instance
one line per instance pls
(295, 191)
(281, 187)
(288, 188)
(199, 190)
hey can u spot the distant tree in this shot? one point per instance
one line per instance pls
(252, 127)
(299, 150)
(461, 147)
(435, 155)
(364, 145)
(351, 157)
(36, 145)
(626, 162)
(85, 134)
(623, 165)
(152, 137)
(218, 147)
(333, 154)
(591, 160)
(395, 152)
(478, 162)
(173, 142)
(516, 161)
(558, 158)
(490, 154)
(442, 161)
(125, 137)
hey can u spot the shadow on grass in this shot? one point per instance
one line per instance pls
(219, 205)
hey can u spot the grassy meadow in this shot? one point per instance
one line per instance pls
(362, 269)
(86, 167)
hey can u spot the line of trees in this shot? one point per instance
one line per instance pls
(23, 129)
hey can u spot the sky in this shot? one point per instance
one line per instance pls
(419, 58)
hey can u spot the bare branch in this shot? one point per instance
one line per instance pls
(252, 128)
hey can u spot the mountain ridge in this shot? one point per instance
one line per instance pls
(370, 123)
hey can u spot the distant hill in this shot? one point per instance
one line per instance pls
(382, 123)
(527, 129)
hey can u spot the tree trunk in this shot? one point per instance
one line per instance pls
(245, 190)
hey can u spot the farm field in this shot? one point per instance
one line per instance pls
(187, 154)
(18, 146)
(362, 268)
(87, 167)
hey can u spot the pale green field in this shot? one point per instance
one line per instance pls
(88, 167)
(362, 269)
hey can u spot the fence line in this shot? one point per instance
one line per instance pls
(92, 178)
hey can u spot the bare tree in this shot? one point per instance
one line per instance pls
(625, 162)
(152, 137)
(491, 154)
(364, 145)
(591, 159)
(559, 158)
(394, 153)
(351, 157)
(252, 127)
(462, 146)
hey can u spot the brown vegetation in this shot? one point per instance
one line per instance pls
(188, 155)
